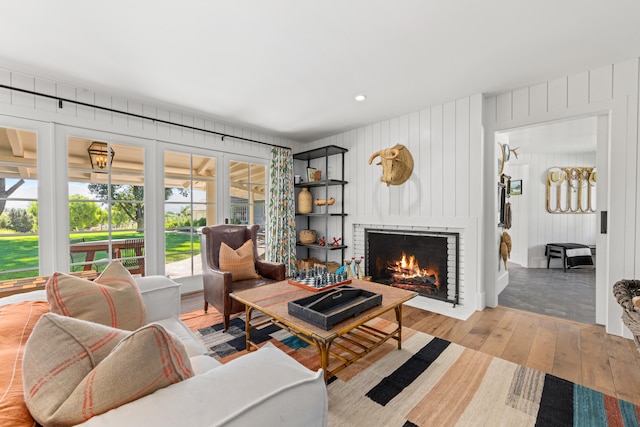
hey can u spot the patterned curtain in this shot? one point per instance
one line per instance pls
(281, 237)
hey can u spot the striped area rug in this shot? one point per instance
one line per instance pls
(432, 382)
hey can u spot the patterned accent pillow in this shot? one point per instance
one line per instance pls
(16, 323)
(113, 299)
(239, 262)
(88, 369)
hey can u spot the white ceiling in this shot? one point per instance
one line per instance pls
(292, 67)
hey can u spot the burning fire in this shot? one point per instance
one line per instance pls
(407, 269)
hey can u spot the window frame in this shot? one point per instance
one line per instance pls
(190, 151)
(62, 135)
(47, 255)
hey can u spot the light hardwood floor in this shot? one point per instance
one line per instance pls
(584, 354)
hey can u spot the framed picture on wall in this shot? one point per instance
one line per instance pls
(516, 187)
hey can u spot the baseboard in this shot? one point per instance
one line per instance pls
(441, 307)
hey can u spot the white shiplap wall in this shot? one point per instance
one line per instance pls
(445, 189)
(612, 91)
(23, 105)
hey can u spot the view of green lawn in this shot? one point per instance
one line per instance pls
(19, 252)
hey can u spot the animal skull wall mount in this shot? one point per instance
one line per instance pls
(397, 164)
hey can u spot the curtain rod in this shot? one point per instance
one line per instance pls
(140, 116)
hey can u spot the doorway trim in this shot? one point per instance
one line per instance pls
(616, 111)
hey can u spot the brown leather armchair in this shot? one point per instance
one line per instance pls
(218, 284)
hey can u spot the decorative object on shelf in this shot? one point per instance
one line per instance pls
(516, 187)
(307, 237)
(397, 164)
(305, 205)
(336, 241)
(307, 263)
(347, 263)
(321, 241)
(297, 179)
(311, 174)
(322, 202)
(359, 274)
(571, 189)
(317, 176)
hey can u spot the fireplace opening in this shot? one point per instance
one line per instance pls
(421, 261)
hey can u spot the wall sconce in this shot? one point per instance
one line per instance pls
(99, 155)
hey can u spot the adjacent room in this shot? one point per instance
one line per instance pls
(541, 218)
(328, 213)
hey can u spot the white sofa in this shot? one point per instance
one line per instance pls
(264, 387)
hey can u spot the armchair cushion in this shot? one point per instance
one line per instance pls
(89, 369)
(113, 299)
(240, 262)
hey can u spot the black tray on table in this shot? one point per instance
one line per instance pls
(327, 308)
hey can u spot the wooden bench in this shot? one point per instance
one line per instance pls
(28, 284)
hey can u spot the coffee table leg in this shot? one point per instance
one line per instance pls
(247, 326)
(399, 320)
(323, 352)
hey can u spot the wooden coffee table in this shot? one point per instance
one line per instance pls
(346, 342)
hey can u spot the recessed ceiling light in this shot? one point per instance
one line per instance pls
(360, 98)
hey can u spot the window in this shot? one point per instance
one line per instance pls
(18, 204)
(247, 191)
(106, 203)
(190, 203)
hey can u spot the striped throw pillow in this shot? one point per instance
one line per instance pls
(113, 299)
(86, 369)
(239, 262)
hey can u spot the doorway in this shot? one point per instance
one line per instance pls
(531, 286)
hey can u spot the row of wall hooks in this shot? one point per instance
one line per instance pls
(571, 189)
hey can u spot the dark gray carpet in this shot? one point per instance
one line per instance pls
(568, 295)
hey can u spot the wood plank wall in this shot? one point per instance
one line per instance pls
(445, 189)
(441, 142)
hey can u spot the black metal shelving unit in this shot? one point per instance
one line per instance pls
(322, 218)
